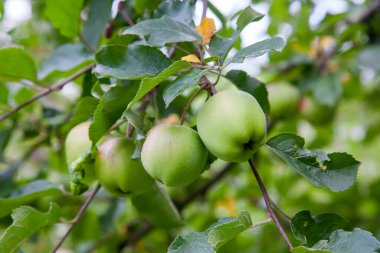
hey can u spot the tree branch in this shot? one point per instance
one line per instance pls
(204, 11)
(47, 91)
(204, 188)
(268, 203)
(89, 198)
(189, 102)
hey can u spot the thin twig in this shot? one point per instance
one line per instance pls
(260, 223)
(372, 8)
(204, 188)
(209, 85)
(12, 169)
(77, 217)
(124, 14)
(190, 101)
(268, 203)
(204, 11)
(47, 91)
(280, 210)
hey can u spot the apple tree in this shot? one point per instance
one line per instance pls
(165, 126)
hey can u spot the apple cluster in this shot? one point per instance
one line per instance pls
(230, 125)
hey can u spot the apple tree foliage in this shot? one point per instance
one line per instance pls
(123, 67)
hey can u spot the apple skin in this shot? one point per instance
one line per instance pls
(76, 144)
(232, 125)
(283, 99)
(316, 113)
(77, 141)
(117, 172)
(174, 154)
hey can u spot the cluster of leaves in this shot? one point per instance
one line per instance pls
(155, 64)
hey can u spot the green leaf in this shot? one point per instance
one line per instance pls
(132, 62)
(65, 15)
(310, 229)
(164, 30)
(135, 118)
(328, 89)
(142, 6)
(4, 93)
(65, 60)
(156, 206)
(350, 242)
(26, 221)
(16, 63)
(98, 15)
(178, 10)
(258, 49)
(26, 194)
(83, 111)
(191, 243)
(147, 84)
(220, 46)
(212, 238)
(226, 229)
(251, 85)
(247, 16)
(77, 171)
(109, 110)
(302, 249)
(182, 83)
(335, 171)
(5, 136)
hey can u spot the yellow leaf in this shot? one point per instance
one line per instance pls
(206, 29)
(191, 58)
(229, 205)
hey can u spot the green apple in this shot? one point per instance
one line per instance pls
(283, 99)
(316, 113)
(232, 125)
(174, 154)
(118, 172)
(78, 143)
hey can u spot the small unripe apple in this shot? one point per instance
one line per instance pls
(77, 143)
(283, 99)
(174, 154)
(232, 125)
(117, 171)
(316, 113)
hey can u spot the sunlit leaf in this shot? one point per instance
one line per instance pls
(26, 221)
(164, 30)
(335, 171)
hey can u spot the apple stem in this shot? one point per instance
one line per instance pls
(202, 87)
(83, 208)
(268, 203)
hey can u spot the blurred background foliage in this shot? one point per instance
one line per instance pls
(332, 55)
